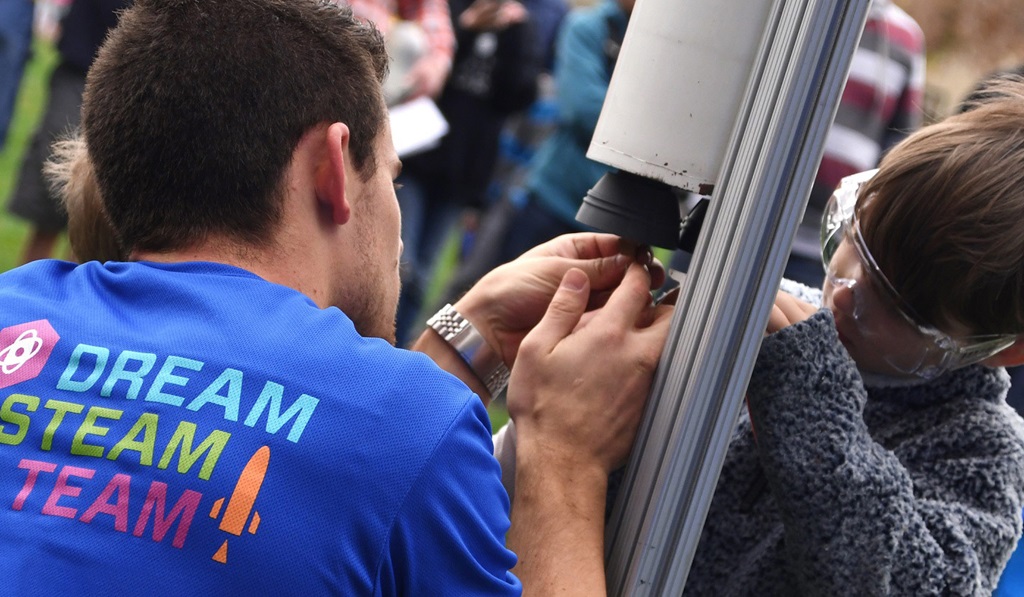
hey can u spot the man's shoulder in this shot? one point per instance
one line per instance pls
(399, 395)
(431, 402)
(37, 269)
(36, 281)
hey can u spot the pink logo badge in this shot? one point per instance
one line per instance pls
(24, 350)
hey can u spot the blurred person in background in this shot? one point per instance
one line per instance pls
(484, 230)
(427, 75)
(494, 75)
(560, 173)
(82, 30)
(15, 44)
(881, 104)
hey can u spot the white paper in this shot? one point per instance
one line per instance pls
(416, 125)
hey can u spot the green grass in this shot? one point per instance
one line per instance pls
(29, 108)
(447, 263)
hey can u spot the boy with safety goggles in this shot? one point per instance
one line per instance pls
(878, 455)
(882, 331)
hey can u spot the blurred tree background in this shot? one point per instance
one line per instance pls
(966, 40)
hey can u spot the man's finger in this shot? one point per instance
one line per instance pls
(605, 273)
(658, 274)
(657, 321)
(580, 245)
(632, 296)
(564, 311)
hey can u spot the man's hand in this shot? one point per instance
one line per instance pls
(506, 303)
(788, 310)
(578, 387)
(576, 395)
(492, 15)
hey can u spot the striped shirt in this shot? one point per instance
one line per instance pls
(432, 15)
(880, 106)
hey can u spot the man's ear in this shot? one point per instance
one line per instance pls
(331, 174)
(1010, 356)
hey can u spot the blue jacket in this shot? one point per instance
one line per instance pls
(561, 173)
(840, 484)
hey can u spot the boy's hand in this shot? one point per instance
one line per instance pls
(788, 310)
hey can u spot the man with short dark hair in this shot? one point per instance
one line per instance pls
(227, 414)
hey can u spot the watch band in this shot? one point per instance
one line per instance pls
(458, 332)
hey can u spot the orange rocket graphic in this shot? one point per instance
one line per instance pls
(242, 500)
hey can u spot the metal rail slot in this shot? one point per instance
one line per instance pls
(759, 198)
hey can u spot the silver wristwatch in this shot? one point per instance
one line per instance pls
(468, 342)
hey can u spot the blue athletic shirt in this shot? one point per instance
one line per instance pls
(193, 429)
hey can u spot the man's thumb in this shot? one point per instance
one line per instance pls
(566, 308)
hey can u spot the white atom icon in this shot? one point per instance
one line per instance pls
(20, 351)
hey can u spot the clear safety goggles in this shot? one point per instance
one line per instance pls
(907, 343)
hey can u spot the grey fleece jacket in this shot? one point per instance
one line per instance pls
(911, 490)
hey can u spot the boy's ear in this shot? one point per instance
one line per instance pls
(331, 174)
(1010, 356)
